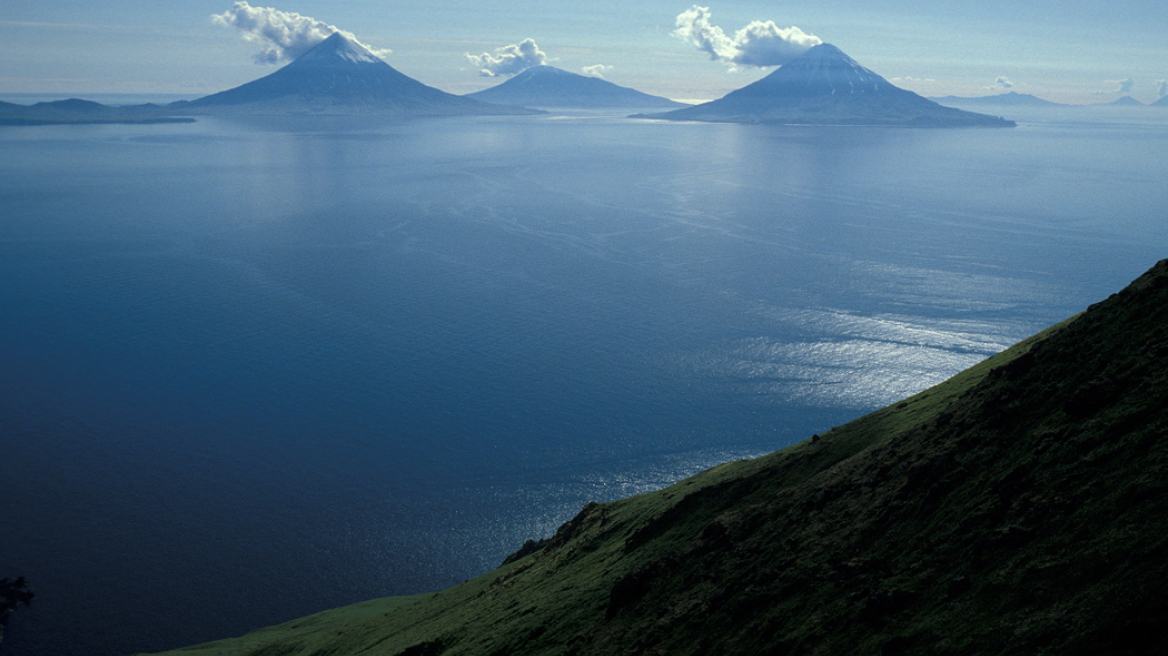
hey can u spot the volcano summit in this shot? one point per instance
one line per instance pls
(339, 76)
(824, 86)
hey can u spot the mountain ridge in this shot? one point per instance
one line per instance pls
(75, 111)
(1011, 99)
(1019, 507)
(824, 86)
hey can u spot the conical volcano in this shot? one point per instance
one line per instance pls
(824, 86)
(824, 70)
(548, 86)
(340, 76)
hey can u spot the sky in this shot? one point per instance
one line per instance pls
(1067, 51)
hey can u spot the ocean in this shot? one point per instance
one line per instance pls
(250, 370)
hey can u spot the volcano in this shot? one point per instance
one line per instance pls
(1126, 101)
(824, 86)
(551, 87)
(339, 76)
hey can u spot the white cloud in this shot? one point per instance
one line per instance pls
(283, 35)
(761, 43)
(509, 60)
(596, 71)
(1000, 84)
(1124, 86)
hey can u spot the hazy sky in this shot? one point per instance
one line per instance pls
(1064, 50)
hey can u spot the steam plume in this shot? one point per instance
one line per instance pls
(1124, 86)
(509, 60)
(283, 35)
(597, 70)
(761, 43)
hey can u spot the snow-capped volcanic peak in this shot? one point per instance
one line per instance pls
(338, 48)
(823, 86)
(822, 70)
(828, 64)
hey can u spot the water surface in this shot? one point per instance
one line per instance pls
(249, 371)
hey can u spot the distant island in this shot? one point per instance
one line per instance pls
(1011, 99)
(1125, 101)
(1015, 99)
(554, 88)
(75, 111)
(335, 77)
(824, 86)
(339, 76)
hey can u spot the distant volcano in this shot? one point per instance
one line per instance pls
(339, 76)
(548, 86)
(1011, 99)
(1126, 101)
(824, 86)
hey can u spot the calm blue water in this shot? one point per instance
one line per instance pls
(252, 371)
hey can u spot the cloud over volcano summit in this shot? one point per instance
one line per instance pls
(284, 35)
(760, 44)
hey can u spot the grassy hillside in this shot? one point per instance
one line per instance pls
(1019, 508)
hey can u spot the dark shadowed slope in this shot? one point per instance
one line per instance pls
(339, 76)
(1019, 508)
(824, 86)
(551, 87)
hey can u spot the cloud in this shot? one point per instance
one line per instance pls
(909, 82)
(1163, 88)
(509, 60)
(761, 43)
(1124, 86)
(596, 71)
(283, 35)
(1002, 83)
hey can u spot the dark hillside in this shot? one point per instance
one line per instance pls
(1018, 508)
(1028, 516)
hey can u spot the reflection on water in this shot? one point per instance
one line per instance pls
(318, 363)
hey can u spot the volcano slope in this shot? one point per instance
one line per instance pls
(824, 86)
(1019, 508)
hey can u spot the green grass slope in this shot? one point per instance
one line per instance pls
(1019, 508)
